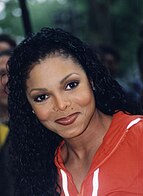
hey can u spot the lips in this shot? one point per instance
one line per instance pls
(67, 120)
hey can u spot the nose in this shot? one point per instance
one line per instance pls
(61, 103)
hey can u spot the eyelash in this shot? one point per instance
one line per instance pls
(44, 97)
(72, 85)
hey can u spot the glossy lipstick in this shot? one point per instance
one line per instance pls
(67, 120)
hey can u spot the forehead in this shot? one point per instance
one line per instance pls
(55, 62)
(54, 71)
(54, 68)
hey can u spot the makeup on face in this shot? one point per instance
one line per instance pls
(61, 95)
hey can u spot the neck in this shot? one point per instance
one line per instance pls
(89, 141)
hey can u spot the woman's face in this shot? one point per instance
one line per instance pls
(61, 96)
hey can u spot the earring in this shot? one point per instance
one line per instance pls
(33, 112)
(93, 88)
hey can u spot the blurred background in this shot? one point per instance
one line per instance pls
(115, 23)
(113, 28)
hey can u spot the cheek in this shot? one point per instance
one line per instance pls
(43, 113)
(86, 98)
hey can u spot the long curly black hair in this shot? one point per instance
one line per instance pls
(32, 145)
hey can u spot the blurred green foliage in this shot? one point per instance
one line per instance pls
(114, 22)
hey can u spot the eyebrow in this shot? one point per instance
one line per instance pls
(38, 89)
(61, 82)
(65, 78)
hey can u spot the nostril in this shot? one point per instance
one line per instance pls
(60, 107)
(61, 102)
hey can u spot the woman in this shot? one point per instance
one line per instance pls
(71, 131)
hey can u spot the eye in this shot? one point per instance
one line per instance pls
(72, 85)
(41, 98)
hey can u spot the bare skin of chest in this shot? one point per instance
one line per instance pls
(78, 166)
(79, 171)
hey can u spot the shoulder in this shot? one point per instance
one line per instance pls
(128, 119)
(128, 123)
(133, 128)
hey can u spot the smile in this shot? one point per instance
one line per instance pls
(67, 120)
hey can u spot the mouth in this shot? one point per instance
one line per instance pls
(67, 120)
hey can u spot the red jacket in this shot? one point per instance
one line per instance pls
(117, 167)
